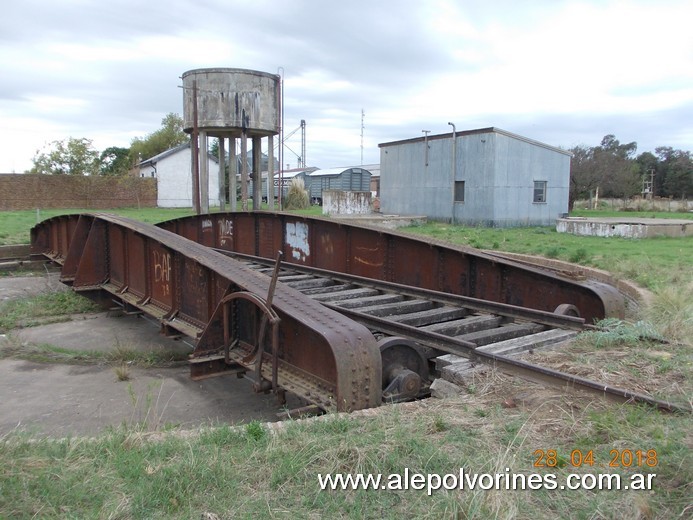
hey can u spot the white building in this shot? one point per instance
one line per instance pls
(173, 172)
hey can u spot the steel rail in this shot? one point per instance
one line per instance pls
(475, 304)
(394, 256)
(468, 349)
(507, 364)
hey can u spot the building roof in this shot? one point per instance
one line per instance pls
(488, 130)
(333, 171)
(289, 174)
(171, 151)
(373, 168)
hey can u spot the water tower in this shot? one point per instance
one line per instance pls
(231, 104)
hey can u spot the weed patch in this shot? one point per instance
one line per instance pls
(43, 308)
(228, 472)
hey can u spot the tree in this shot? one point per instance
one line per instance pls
(677, 172)
(583, 177)
(170, 135)
(114, 161)
(615, 168)
(67, 157)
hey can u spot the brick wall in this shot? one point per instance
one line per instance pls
(29, 191)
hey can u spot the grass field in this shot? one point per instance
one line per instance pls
(499, 426)
(15, 225)
(653, 263)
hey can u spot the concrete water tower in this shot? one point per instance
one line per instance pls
(231, 104)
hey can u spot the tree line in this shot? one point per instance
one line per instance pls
(614, 169)
(77, 156)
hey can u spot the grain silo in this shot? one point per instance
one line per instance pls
(231, 104)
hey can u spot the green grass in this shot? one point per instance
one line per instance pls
(43, 308)
(16, 225)
(652, 262)
(248, 472)
(255, 471)
(118, 355)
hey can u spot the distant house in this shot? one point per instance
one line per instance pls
(496, 179)
(173, 172)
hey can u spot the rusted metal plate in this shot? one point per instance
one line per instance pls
(317, 353)
(391, 256)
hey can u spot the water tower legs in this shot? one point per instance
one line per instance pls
(222, 172)
(257, 173)
(233, 171)
(204, 173)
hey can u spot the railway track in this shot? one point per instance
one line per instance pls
(419, 331)
(342, 337)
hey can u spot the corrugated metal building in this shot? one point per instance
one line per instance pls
(375, 178)
(343, 179)
(497, 179)
(287, 177)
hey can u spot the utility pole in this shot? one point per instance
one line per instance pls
(195, 151)
(426, 132)
(652, 190)
(454, 169)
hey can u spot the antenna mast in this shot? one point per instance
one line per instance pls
(303, 143)
(363, 115)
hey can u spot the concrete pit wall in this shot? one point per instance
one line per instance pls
(335, 202)
(628, 228)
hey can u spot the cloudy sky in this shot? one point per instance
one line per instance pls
(562, 72)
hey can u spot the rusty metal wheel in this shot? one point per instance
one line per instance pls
(566, 309)
(405, 368)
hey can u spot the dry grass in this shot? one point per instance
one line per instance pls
(122, 372)
(671, 311)
(297, 196)
(270, 471)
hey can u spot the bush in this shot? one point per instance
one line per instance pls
(297, 196)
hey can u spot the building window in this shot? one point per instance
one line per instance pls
(459, 191)
(539, 191)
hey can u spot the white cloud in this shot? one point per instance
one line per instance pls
(566, 72)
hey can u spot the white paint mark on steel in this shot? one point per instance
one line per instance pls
(297, 239)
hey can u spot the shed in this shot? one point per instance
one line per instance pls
(288, 176)
(496, 178)
(375, 178)
(173, 172)
(342, 179)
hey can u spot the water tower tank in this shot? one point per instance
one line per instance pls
(231, 100)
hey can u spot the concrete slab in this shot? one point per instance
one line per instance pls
(629, 227)
(64, 400)
(103, 332)
(24, 286)
(383, 220)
